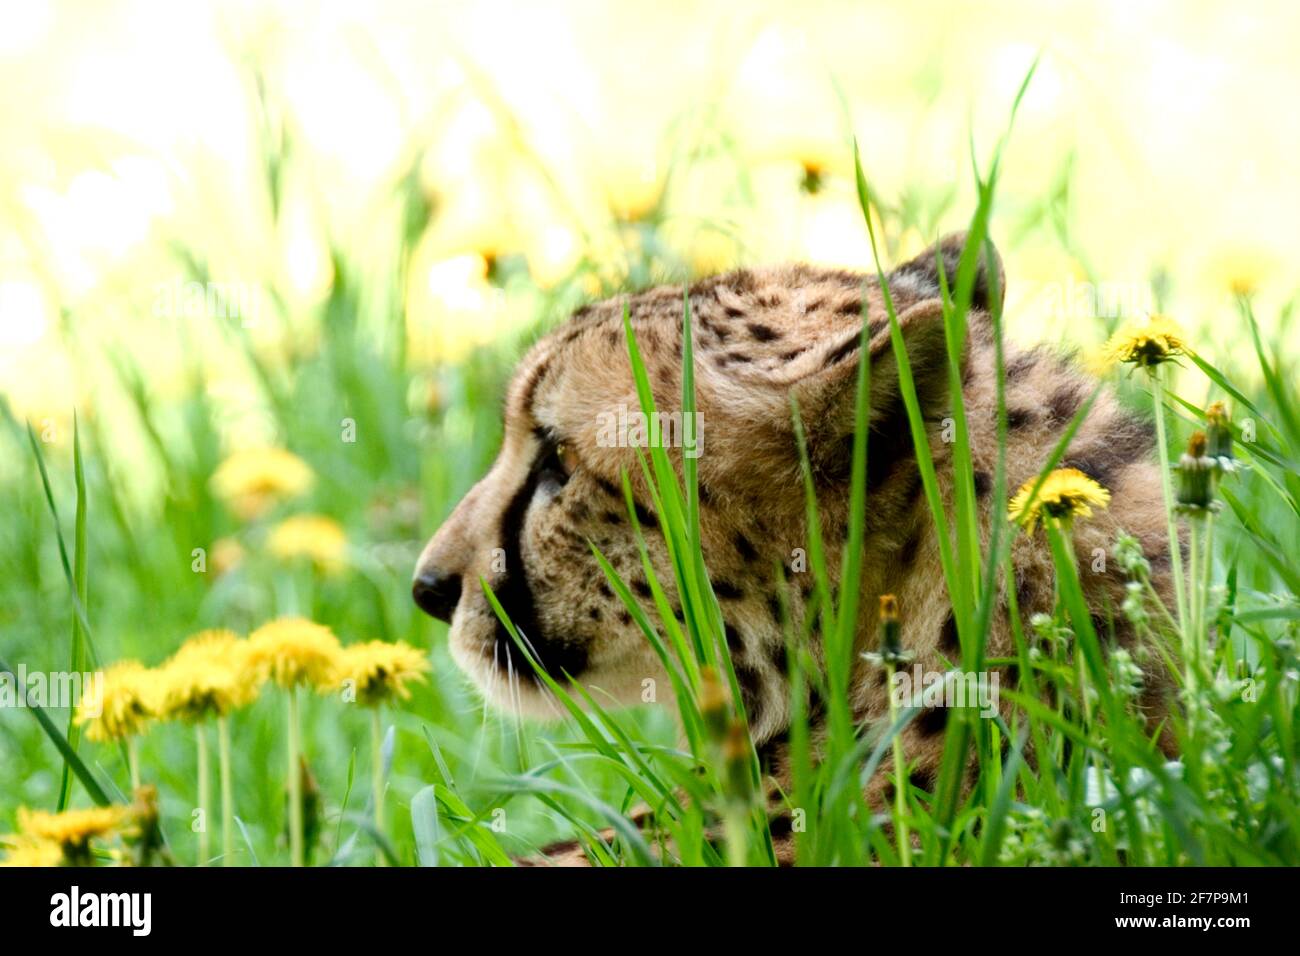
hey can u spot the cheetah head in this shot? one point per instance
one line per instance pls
(528, 528)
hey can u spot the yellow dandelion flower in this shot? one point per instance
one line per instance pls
(379, 671)
(293, 651)
(632, 191)
(252, 480)
(315, 537)
(1148, 344)
(209, 675)
(1066, 493)
(814, 174)
(1240, 268)
(72, 828)
(120, 701)
(711, 252)
(227, 554)
(26, 852)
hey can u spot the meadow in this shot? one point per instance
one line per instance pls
(138, 516)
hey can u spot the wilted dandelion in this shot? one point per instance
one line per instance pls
(315, 537)
(1065, 494)
(253, 480)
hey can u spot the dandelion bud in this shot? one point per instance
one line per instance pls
(813, 177)
(1061, 834)
(891, 644)
(891, 651)
(1195, 471)
(713, 703)
(146, 832)
(735, 760)
(1218, 432)
(312, 808)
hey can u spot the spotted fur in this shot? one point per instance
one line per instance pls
(760, 337)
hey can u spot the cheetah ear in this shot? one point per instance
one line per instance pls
(827, 396)
(918, 278)
(826, 382)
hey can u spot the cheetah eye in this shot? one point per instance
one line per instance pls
(557, 463)
(568, 457)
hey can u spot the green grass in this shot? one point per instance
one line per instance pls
(1080, 782)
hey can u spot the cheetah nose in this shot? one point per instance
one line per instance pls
(436, 592)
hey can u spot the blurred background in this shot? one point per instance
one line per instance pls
(233, 227)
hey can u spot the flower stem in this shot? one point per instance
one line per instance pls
(133, 762)
(227, 794)
(1166, 482)
(201, 741)
(1159, 603)
(900, 775)
(734, 827)
(377, 776)
(1207, 574)
(1193, 628)
(1084, 707)
(295, 782)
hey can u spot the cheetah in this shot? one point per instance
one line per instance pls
(760, 336)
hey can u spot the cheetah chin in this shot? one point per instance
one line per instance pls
(761, 336)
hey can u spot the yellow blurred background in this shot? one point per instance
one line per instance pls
(1157, 140)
